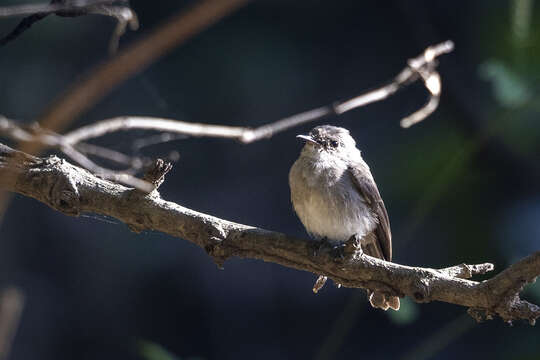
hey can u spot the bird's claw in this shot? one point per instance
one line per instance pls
(338, 251)
(341, 250)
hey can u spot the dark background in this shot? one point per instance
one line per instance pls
(462, 186)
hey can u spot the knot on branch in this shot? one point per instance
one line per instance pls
(63, 194)
(139, 223)
(421, 288)
(216, 251)
(155, 174)
(151, 181)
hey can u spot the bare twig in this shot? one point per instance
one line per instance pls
(421, 67)
(53, 6)
(15, 130)
(100, 81)
(73, 190)
(104, 78)
(120, 177)
(77, 152)
(123, 15)
(133, 163)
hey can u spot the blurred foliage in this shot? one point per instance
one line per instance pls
(509, 88)
(152, 351)
(513, 71)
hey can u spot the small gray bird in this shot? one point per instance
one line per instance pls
(335, 197)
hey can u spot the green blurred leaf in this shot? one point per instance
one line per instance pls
(407, 314)
(509, 89)
(152, 351)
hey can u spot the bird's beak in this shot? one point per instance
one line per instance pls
(307, 138)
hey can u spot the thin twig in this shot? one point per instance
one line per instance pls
(120, 177)
(31, 9)
(77, 152)
(100, 81)
(133, 163)
(421, 67)
(123, 15)
(97, 83)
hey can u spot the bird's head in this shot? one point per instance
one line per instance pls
(329, 140)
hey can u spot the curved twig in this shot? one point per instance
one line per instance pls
(118, 9)
(422, 67)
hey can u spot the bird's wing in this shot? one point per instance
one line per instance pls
(368, 189)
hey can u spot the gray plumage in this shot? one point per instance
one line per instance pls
(334, 195)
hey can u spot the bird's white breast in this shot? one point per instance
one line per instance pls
(326, 200)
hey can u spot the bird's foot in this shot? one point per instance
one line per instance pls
(320, 247)
(339, 250)
(325, 246)
(353, 247)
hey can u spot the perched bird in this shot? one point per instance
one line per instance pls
(334, 195)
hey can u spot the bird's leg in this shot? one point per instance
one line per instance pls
(321, 245)
(346, 249)
(341, 250)
(338, 251)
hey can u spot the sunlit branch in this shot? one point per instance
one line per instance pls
(420, 68)
(72, 191)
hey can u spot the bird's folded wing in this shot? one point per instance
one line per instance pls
(368, 189)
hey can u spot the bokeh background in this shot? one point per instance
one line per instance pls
(462, 186)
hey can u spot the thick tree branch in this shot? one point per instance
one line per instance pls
(73, 190)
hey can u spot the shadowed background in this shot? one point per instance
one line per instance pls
(462, 186)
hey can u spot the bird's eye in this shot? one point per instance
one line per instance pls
(334, 143)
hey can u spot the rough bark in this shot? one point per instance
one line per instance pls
(73, 190)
